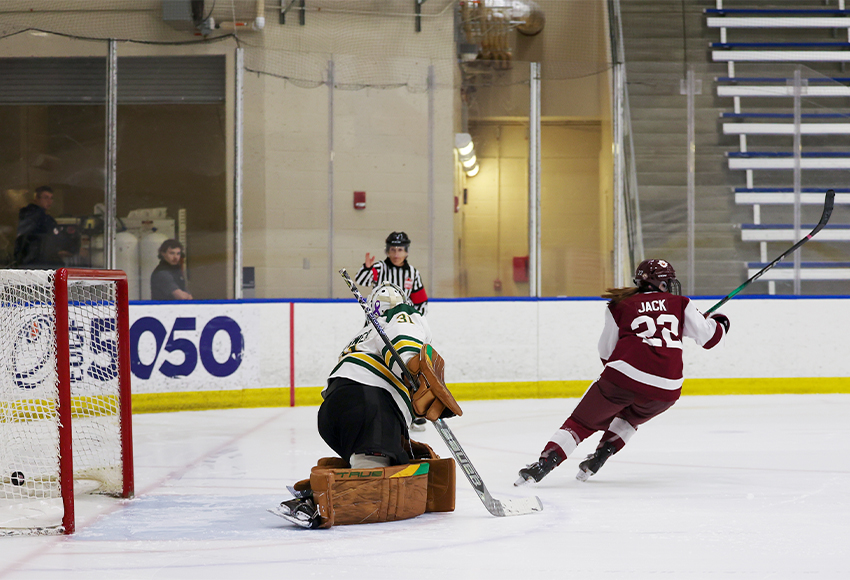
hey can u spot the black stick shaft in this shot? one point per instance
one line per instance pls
(827, 212)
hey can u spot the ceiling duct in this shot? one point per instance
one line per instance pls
(204, 17)
(487, 24)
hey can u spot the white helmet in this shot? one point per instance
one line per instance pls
(386, 297)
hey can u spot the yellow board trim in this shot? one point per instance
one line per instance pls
(311, 396)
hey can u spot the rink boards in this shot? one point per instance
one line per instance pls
(196, 355)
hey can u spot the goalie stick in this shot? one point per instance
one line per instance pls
(827, 211)
(510, 507)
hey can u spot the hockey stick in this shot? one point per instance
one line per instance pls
(827, 211)
(496, 507)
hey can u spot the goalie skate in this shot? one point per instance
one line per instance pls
(301, 512)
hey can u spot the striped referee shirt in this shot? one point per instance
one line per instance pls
(405, 277)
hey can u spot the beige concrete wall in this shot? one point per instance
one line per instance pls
(385, 143)
(380, 146)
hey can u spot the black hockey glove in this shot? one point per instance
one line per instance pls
(722, 319)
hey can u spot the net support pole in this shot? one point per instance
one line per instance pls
(691, 90)
(619, 212)
(798, 153)
(534, 180)
(331, 271)
(431, 202)
(111, 160)
(238, 154)
(617, 150)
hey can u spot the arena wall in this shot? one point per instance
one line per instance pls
(277, 353)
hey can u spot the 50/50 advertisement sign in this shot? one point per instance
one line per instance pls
(181, 349)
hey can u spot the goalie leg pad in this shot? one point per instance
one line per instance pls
(441, 485)
(362, 496)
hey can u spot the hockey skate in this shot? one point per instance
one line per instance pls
(299, 511)
(418, 424)
(537, 470)
(595, 461)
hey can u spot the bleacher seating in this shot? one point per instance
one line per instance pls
(786, 128)
(808, 271)
(754, 31)
(786, 233)
(785, 196)
(785, 160)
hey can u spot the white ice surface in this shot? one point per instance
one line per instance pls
(718, 487)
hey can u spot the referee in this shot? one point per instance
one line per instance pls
(395, 270)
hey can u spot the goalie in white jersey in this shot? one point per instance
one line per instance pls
(367, 411)
(380, 474)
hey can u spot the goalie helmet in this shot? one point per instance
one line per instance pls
(657, 275)
(386, 297)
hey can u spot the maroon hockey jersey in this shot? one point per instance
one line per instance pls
(641, 344)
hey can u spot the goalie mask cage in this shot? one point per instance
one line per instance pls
(65, 413)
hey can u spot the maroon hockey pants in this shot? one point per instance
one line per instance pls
(604, 401)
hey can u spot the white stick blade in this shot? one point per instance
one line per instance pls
(521, 507)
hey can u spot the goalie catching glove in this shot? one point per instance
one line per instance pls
(432, 398)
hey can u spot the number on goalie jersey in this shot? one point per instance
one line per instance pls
(641, 348)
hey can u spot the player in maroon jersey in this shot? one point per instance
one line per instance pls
(641, 348)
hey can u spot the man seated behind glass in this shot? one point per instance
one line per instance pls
(167, 280)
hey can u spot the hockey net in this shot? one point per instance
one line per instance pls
(64, 395)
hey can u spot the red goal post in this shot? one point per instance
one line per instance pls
(65, 409)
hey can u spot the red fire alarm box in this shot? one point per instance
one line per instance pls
(359, 200)
(521, 269)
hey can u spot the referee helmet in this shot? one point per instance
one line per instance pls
(398, 239)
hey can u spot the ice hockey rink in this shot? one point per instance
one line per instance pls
(717, 487)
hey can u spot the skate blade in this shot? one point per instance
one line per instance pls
(583, 475)
(522, 481)
(285, 514)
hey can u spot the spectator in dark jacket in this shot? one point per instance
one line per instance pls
(37, 244)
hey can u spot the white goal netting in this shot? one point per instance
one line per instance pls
(31, 397)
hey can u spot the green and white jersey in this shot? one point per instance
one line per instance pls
(368, 361)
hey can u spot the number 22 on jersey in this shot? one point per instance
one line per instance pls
(666, 325)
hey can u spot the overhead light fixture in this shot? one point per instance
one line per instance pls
(463, 144)
(466, 153)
